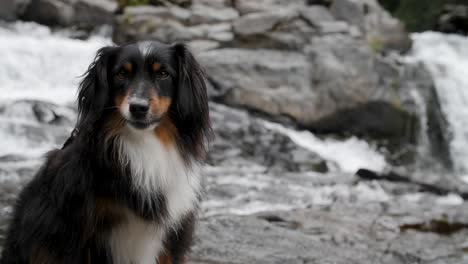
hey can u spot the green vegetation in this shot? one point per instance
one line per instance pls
(376, 44)
(418, 15)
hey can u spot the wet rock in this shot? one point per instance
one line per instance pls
(246, 6)
(281, 29)
(381, 30)
(454, 19)
(12, 9)
(167, 24)
(255, 79)
(206, 14)
(82, 13)
(240, 137)
(258, 22)
(316, 15)
(342, 233)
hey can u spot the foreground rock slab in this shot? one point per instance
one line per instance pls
(341, 234)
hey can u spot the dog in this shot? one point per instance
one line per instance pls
(126, 187)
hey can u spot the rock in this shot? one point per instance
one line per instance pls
(167, 24)
(246, 138)
(81, 13)
(381, 30)
(255, 79)
(316, 15)
(150, 23)
(91, 13)
(12, 9)
(198, 46)
(337, 86)
(257, 23)
(342, 233)
(333, 27)
(277, 29)
(50, 12)
(214, 3)
(454, 19)
(203, 14)
(247, 6)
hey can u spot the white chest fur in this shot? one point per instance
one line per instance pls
(155, 168)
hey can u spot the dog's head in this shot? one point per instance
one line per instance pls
(144, 86)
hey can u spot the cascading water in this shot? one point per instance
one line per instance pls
(446, 57)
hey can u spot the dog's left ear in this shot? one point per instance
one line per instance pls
(93, 90)
(192, 98)
(191, 104)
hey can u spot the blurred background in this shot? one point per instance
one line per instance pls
(341, 125)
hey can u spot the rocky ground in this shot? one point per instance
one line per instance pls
(269, 200)
(332, 67)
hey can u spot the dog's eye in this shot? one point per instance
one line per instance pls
(122, 74)
(161, 74)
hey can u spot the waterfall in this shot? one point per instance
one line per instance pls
(446, 57)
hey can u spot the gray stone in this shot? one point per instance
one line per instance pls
(248, 6)
(12, 9)
(90, 13)
(214, 3)
(50, 12)
(198, 46)
(206, 14)
(342, 234)
(257, 23)
(316, 14)
(333, 27)
(245, 139)
(256, 79)
(84, 13)
(280, 29)
(382, 31)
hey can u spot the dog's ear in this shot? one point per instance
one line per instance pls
(93, 90)
(191, 104)
(192, 99)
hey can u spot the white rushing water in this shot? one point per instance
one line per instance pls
(37, 64)
(446, 57)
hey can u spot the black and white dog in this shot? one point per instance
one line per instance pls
(125, 189)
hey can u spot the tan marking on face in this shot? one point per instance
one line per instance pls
(116, 122)
(159, 105)
(128, 66)
(113, 126)
(166, 131)
(164, 259)
(156, 66)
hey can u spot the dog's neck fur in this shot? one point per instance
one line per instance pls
(156, 168)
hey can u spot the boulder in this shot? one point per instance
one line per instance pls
(256, 79)
(82, 13)
(247, 6)
(338, 85)
(167, 24)
(13, 9)
(338, 234)
(273, 29)
(205, 14)
(381, 30)
(454, 19)
(241, 138)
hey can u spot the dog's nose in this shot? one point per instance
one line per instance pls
(139, 109)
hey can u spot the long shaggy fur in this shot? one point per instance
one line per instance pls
(115, 193)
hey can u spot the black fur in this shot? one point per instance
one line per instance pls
(57, 217)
